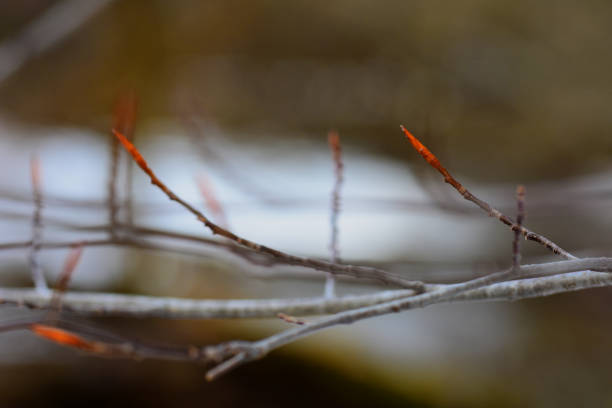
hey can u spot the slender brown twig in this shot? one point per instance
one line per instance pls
(119, 349)
(448, 178)
(366, 272)
(113, 206)
(520, 215)
(334, 143)
(62, 283)
(124, 119)
(290, 319)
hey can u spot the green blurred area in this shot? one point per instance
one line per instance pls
(514, 87)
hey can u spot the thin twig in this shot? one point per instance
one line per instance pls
(225, 167)
(62, 283)
(334, 143)
(210, 199)
(120, 349)
(520, 215)
(38, 276)
(365, 272)
(448, 178)
(124, 120)
(113, 206)
(290, 319)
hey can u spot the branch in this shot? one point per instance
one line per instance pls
(38, 276)
(334, 143)
(113, 205)
(336, 269)
(228, 356)
(448, 178)
(110, 304)
(237, 353)
(210, 199)
(520, 215)
(536, 280)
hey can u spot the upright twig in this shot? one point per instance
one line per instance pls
(334, 144)
(520, 215)
(448, 178)
(113, 205)
(365, 272)
(62, 282)
(38, 276)
(124, 119)
(210, 200)
(226, 168)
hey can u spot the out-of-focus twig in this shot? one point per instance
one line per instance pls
(334, 144)
(46, 31)
(210, 199)
(62, 283)
(225, 168)
(520, 215)
(124, 119)
(113, 206)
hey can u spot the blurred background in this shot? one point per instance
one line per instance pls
(243, 93)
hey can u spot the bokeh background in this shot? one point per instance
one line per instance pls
(245, 93)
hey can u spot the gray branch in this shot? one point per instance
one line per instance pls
(555, 277)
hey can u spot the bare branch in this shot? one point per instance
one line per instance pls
(250, 351)
(38, 276)
(290, 319)
(364, 272)
(334, 143)
(113, 206)
(62, 283)
(448, 178)
(536, 280)
(110, 304)
(228, 356)
(210, 199)
(520, 215)
(226, 168)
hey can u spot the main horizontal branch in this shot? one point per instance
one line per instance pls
(566, 276)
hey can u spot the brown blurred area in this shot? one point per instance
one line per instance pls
(514, 87)
(504, 91)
